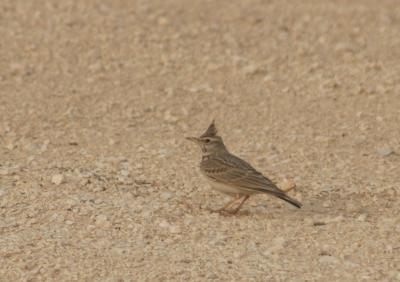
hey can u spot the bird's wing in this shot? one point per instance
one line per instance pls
(234, 171)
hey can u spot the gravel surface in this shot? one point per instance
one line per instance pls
(97, 182)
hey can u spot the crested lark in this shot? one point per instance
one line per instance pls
(231, 175)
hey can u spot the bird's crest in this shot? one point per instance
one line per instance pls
(211, 130)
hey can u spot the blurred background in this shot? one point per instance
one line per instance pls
(98, 183)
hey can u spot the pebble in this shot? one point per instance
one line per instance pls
(57, 179)
(297, 179)
(95, 67)
(44, 146)
(344, 47)
(385, 151)
(287, 185)
(118, 250)
(162, 21)
(102, 221)
(4, 171)
(327, 205)
(254, 69)
(387, 224)
(166, 196)
(237, 254)
(308, 221)
(201, 88)
(174, 229)
(351, 264)
(251, 69)
(164, 224)
(125, 172)
(10, 146)
(98, 201)
(362, 217)
(328, 260)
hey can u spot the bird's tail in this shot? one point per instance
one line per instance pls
(292, 201)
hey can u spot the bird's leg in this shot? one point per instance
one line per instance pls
(241, 204)
(229, 204)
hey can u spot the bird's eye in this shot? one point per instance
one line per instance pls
(207, 140)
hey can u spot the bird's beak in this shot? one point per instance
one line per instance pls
(193, 139)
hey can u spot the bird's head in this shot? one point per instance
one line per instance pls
(209, 142)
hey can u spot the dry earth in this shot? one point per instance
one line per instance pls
(97, 182)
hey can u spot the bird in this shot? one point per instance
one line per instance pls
(231, 175)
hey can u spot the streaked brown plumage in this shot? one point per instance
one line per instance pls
(232, 175)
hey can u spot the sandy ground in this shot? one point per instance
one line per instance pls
(97, 182)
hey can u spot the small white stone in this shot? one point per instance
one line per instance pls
(236, 254)
(189, 220)
(297, 179)
(125, 172)
(174, 229)
(102, 221)
(287, 184)
(351, 264)
(251, 69)
(164, 224)
(4, 171)
(308, 221)
(385, 151)
(328, 260)
(10, 146)
(166, 196)
(362, 217)
(44, 146)
(254, 69)
(98, 201)
(344, 47)
(118, 250)
(162, 21)
(326, 204)
(95, 67)
(57, 179)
